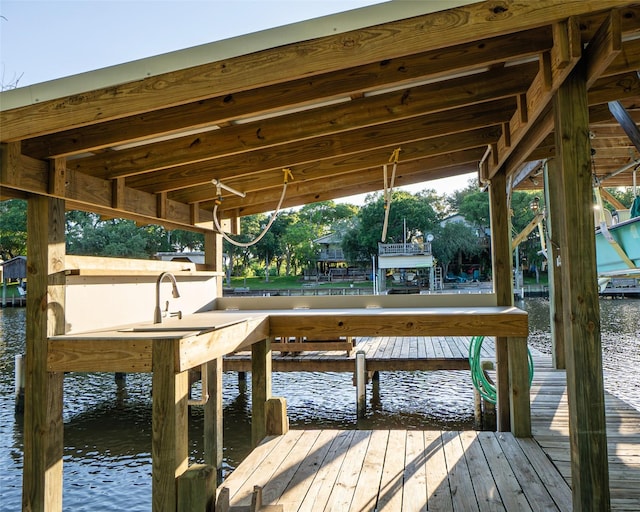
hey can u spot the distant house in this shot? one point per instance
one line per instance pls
(331, 255)
(483, 233)
(331, 263)
(14, 269)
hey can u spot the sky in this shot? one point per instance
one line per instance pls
(42, 40)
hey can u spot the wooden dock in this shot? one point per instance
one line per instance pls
(393, 353)
(399, 470)
(550, 428)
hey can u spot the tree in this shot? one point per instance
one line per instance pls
(474, 207)
(456, 199)
(181, 240)
(453, 240)
(88, 234)
(13, 228)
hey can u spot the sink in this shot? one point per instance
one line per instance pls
(200, 325)
(164, 328)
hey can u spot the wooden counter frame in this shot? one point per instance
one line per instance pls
(170, 353)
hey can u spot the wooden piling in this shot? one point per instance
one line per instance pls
(197, 489)
(277, 419)
(361, 382)
(19, 383)
(260, 388)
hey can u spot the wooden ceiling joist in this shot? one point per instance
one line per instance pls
(443, 86)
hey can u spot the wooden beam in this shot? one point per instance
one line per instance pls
(197, 489)
(602, 50)
(436, 153)
(43, 426)
(519, 389)
(314, 122)
(260, 389)
(267, 67)
(408, 172)
(626, 122)
(612, 199)
(84, 192)
(502, 265)
(118, 194)
(213, 429)
(604, 47)
(386, 138)
(324, 192)
(554, 201)
(169, 436)
(362, 78)
(564, 55)
(58, 177)
(585, 389)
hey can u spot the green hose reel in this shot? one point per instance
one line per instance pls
(485, 387)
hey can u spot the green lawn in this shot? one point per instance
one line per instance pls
(289, 283)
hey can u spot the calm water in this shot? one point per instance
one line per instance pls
(107, 459)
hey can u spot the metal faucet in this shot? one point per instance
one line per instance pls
(157, 316)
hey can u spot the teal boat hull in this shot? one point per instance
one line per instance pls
(627, 235)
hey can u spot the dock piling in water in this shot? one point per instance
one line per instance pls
(19, 383)
(361, 381)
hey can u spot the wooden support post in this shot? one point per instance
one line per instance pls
(213, 257)
(585, 388)
(260, 389)
(519, 398)
(43, 427)
(361, 384)
(169, 443)
(213, 441)
(477, 409)
(197, 489)
(553, 192)
(503, 287)
(277, 419)
(19, 383)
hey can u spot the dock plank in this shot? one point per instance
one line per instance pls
(390, 493)
(484, 486)
(414, 491)
(510, 490)
(534, 489)
(299, 485)
(558, 489)
(343, 492)
(459, 476)
(366, 492)
(326, 475)
(438, 490)
(412, 470)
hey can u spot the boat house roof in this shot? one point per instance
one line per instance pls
(459, 87)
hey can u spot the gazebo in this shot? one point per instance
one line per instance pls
(520, 92)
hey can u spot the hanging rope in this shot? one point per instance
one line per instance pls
(388, 190)
(288, 175)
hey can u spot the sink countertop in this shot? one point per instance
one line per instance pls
(170, 328)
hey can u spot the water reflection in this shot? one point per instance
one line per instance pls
(108, 428)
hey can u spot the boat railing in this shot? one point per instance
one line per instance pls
(404, 248)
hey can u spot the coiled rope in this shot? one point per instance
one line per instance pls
(484, 386)
(287, 175)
